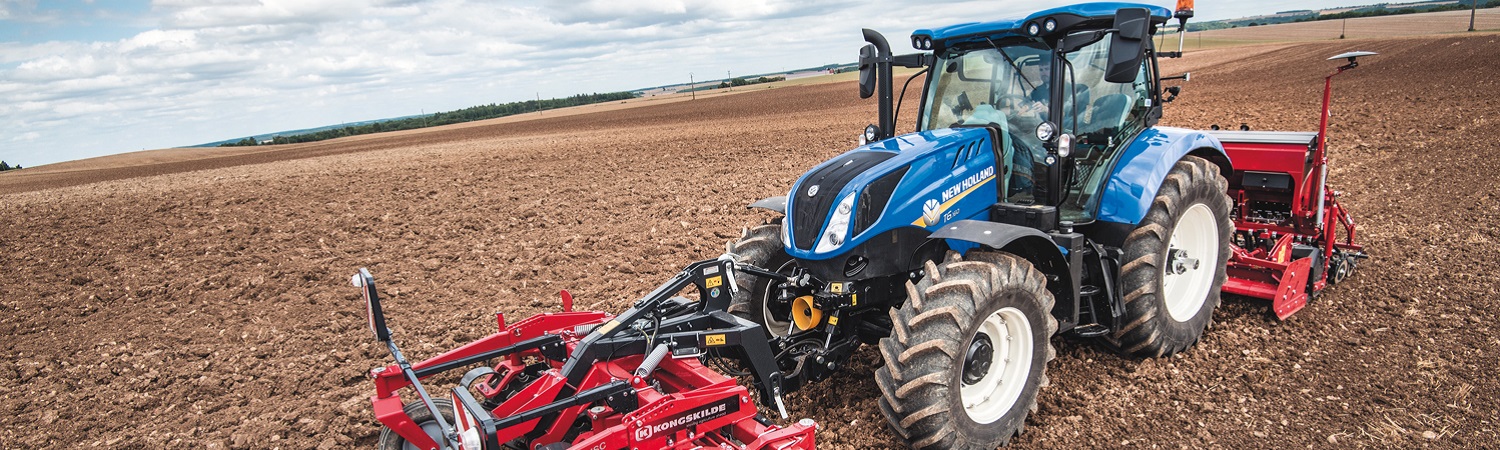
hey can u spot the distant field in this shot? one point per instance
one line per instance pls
(177, 160)
(1361, 28)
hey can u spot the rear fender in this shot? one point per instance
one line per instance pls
(1028, 243)
(777, 203)
(1144, 165)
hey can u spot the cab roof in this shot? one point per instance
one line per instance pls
(1081, 13)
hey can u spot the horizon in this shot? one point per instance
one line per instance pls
(87, 78)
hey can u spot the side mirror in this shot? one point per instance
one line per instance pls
(867, 56)
(373, 314)
(1174, 91)
(1128, 45)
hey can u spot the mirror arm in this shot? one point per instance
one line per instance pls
(913, 60)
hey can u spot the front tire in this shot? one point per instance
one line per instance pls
(757, 298)
(967, 353)
(419, 413)
(1175, 262)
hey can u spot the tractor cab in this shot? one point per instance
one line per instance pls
(1060, 88)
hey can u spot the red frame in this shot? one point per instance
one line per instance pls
(686, 382)
(1271, 274)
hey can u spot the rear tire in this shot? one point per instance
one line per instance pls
(1175, 262)
(419, 413)
(756, 300)
(967, 353)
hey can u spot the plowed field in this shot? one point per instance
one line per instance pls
(203, 303)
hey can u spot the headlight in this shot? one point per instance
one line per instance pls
(1045, 130)
(1064, 145)
(871, 132)
(1050, 25)
(838, 226)
(1033, 29)
(786, 225)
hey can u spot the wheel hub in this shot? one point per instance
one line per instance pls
(997, 365)
(1178, 262)
(1185, 279)
(977, 360)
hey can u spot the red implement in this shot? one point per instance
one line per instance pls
(1287, 221)
(591, 380)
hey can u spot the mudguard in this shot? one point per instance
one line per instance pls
(1029, 244)
(777, 203)
(992, 234)
(1144, 165)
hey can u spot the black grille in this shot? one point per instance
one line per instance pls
(808, 212)
(874, 198)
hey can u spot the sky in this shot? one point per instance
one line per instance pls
(86, 78)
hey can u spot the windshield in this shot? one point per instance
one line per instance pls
(1008, 86)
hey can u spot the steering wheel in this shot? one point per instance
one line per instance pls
(1011, 101)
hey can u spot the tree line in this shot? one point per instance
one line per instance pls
(469, 114)
(6, 166)
(1311, 16)
(737, 82)
(1383, 11)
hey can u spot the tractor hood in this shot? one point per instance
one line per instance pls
(917, 181)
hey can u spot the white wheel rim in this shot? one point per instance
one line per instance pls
(1010, 365)
(1185, 285)
(774, 326)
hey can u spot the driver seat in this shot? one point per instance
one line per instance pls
(1107, 112)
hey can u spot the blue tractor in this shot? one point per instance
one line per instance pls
(1036, 197)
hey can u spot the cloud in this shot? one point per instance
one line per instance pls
(211, 14)
(204, 70)
(25, 11)
(216, 61)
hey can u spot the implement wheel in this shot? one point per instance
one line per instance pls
(1175, 262)
(757, 297)
(419, 413)
(967, 353)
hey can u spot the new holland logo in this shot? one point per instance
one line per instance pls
(930, 211)
(812, 190)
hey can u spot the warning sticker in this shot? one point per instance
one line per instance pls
(714, 339)
(714, 282)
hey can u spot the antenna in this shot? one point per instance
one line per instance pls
(1184, 12)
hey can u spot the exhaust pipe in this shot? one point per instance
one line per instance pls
(882, 74)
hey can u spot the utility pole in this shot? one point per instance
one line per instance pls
(1473, 7)
(692, 86)
(730, 80)
(1345, 26)
(538, 103)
